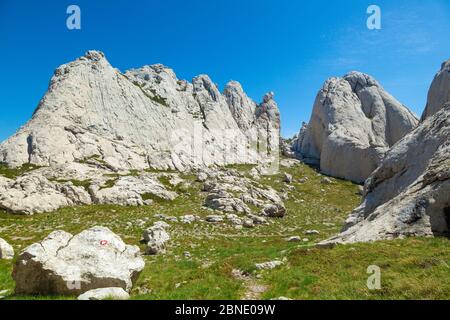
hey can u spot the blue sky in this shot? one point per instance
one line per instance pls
(287, 46)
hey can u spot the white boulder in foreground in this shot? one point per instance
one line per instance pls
(105, 294)
(6, 250)
(64, 264)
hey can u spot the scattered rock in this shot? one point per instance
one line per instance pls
(268, 265)
(188, 219)
(214, 218)
(105, 294)
(281, 299)
(161, 224)
(326, 180)
(294, 239)
(287, 178)
(6, 250)
(155, 237)
(274, 211)
(248, 223)
(223, 201)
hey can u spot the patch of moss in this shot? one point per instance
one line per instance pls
(154, 96)
(77, 183)
(13, 173)
(151, 196)
(109, 184)
(93, 159)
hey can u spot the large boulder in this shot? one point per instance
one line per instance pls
(409, 193)
(439, 92)
(63, 264)
(6, 250)
(353, 124)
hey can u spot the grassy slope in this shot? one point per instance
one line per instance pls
(412, 268)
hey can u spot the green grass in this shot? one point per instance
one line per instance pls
(411, 269)
(77, 183)
(13, 173)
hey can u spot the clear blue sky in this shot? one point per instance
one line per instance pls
(289, 47)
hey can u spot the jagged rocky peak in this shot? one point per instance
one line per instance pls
(439, 92)
(142, 118)
(353, 124)
(268, 110)
(241, 106)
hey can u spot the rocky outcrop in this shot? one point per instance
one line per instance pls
(6, 250)
(34, 193)
(230, 192)
(64, 264)
(353, 124)
(50, 188)
(409, 193)
(143, 118)
(439, 92)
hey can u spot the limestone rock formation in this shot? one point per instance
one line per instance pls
(95, 121)
(409, 193)
(143, 118)
(353, 124)
(64, 264)
(439, 92)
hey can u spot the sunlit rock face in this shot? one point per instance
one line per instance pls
(143, 118)
(353, 124)
(439, 92)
